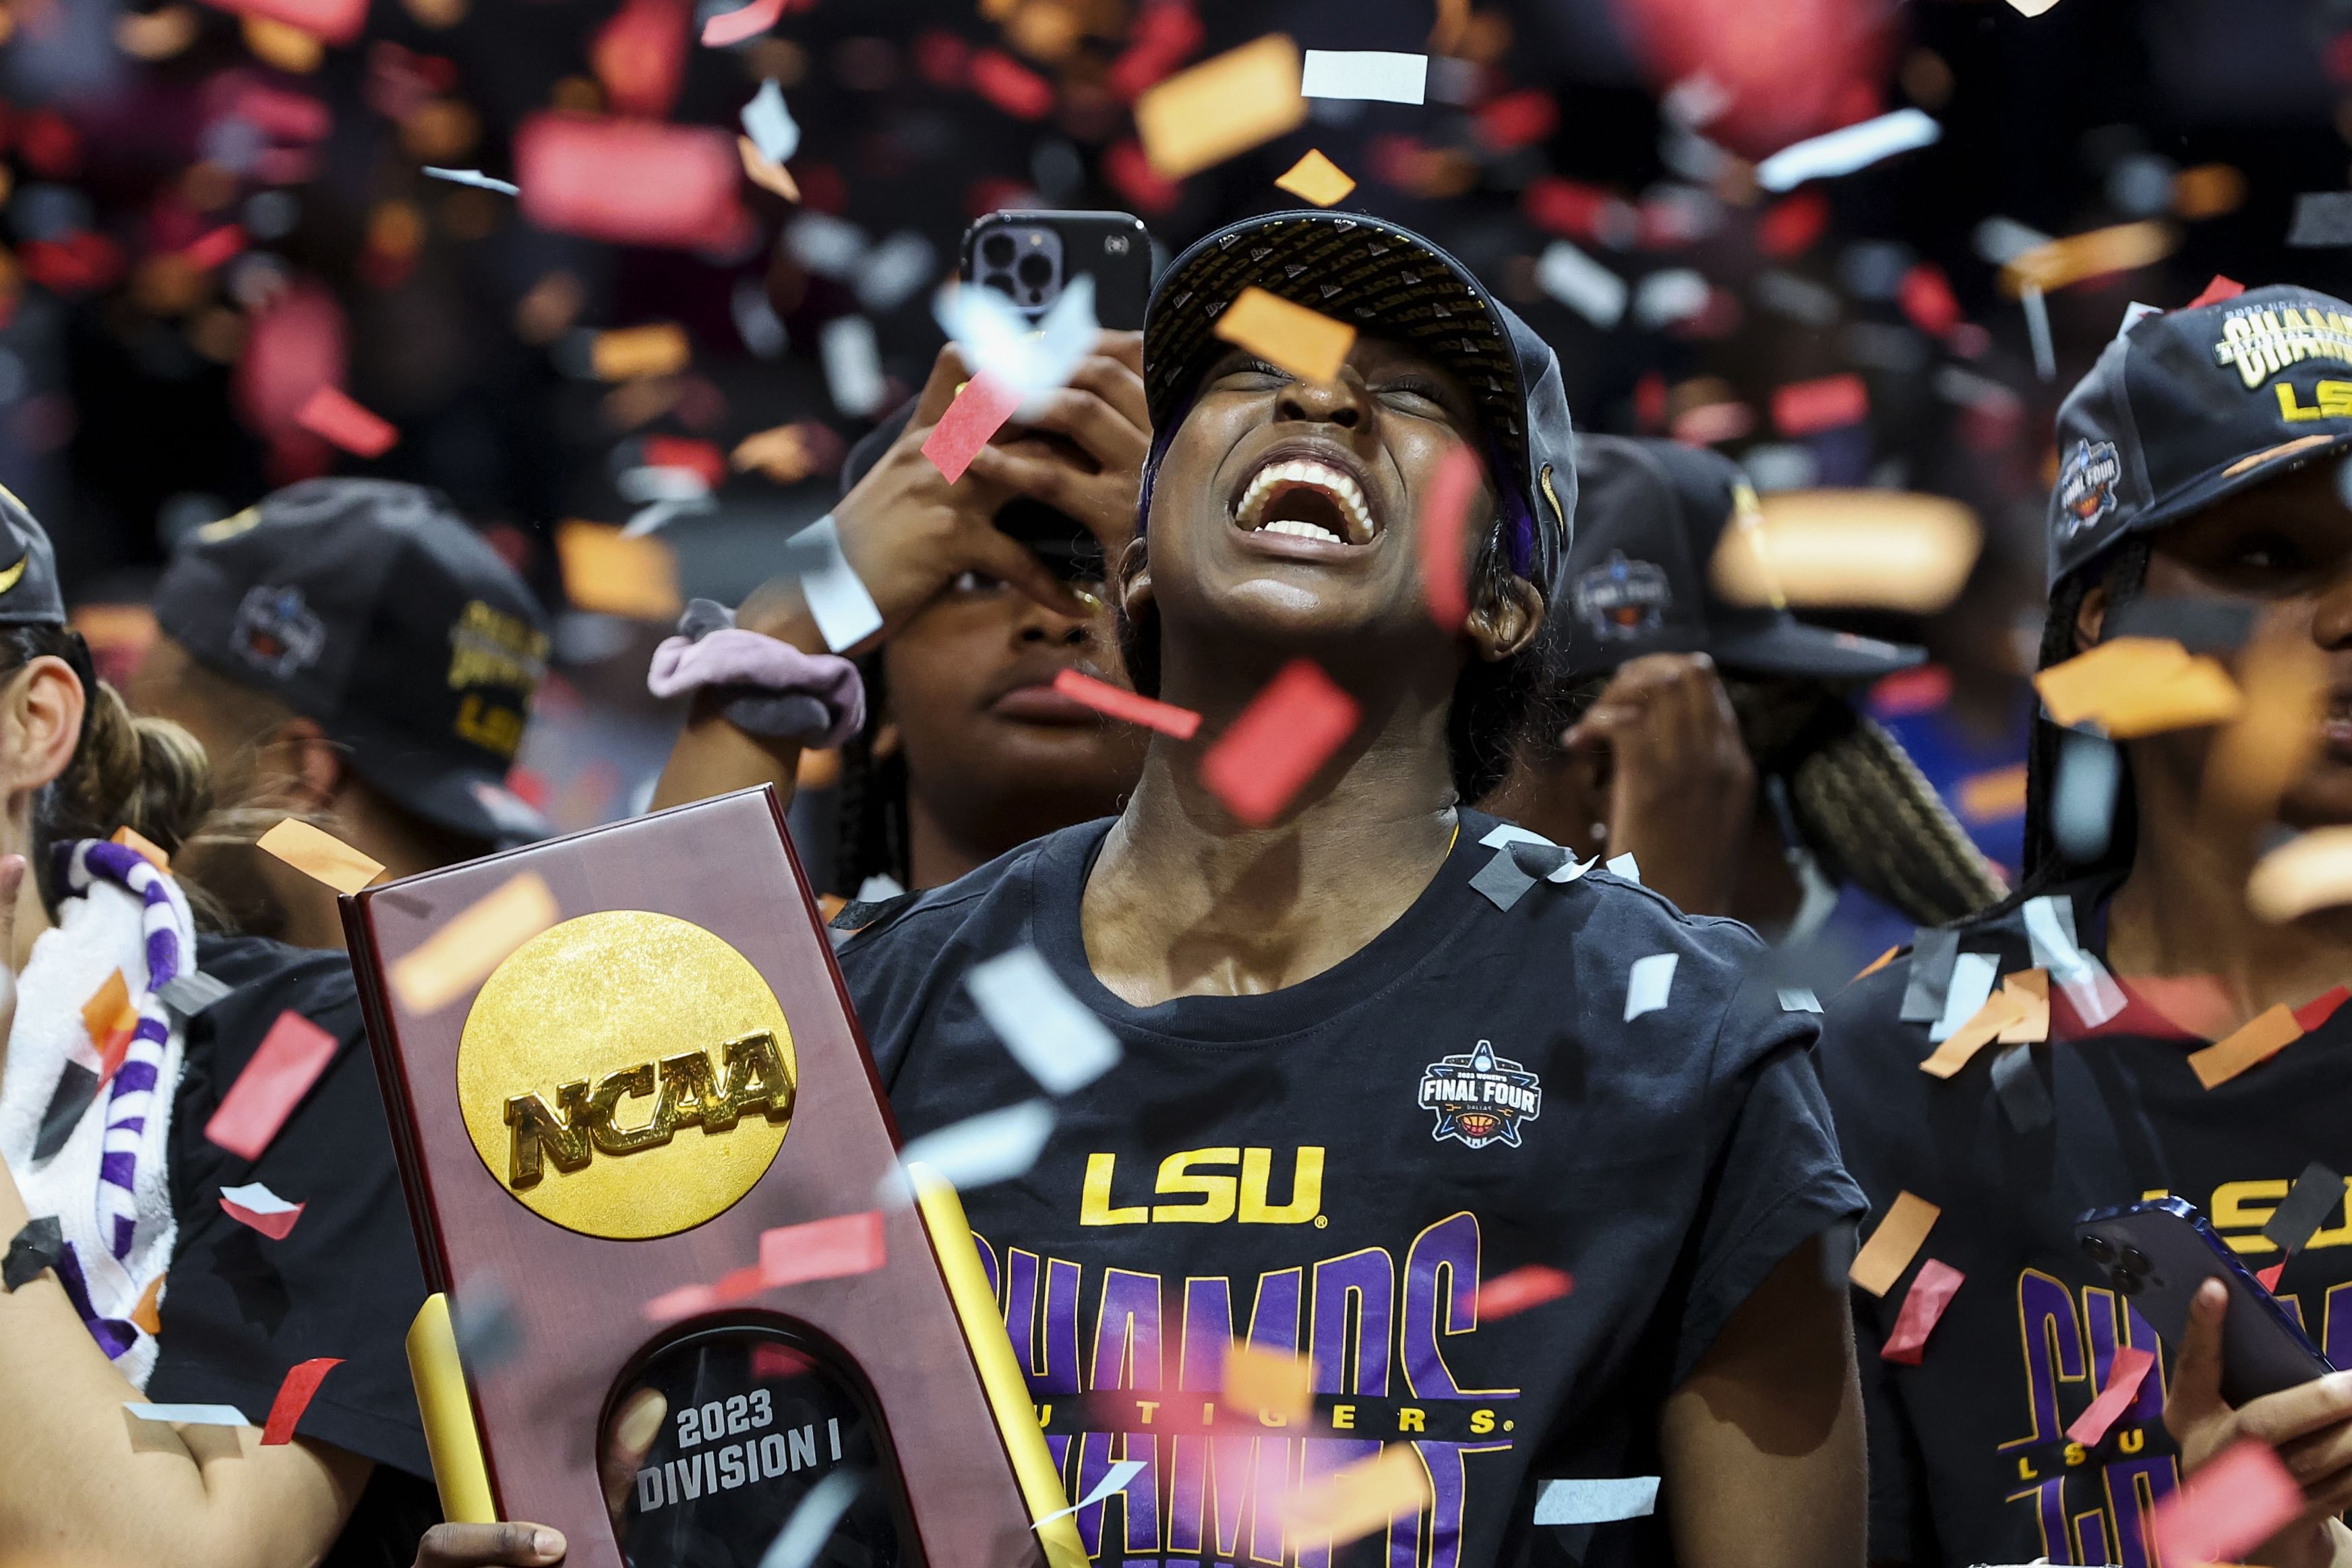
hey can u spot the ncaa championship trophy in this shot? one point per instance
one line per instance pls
(621, 1108)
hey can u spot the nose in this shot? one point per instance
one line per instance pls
(1341, 402)
(2331, 621)
(1039, 626)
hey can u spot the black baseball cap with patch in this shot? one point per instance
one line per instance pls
(1387, 282)
(1639, 579)
(372, 608)
(2189, 406)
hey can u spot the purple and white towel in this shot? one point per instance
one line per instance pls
(107, 1183)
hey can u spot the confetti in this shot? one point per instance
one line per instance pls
(2031, 8)
(844, 612)
(998, 341)
(980, 410)
(769, 124)
(2037, 331)
(766, 173)
(1509, 1295)
(896, 270)
(2312, 870)
(475, 178)
(1049, 1032)
(1309, 345)
(256, 1206)
(1596, 1502)
(1278, 743)
(211, 250)
(33, 1250)
(658, 348)
(1270, 1385)
(1994, 796)
(628, 181)
(2322, 1007)
(2055, 263)
(2132, 687)
(1885, 549)
(1891, 1247)
(190, 993)
(320, 855)
(1444, 520)
(2241, 1498)
(1316, 180)
(109, 1018)
(285, 1065)
(1923, 1307)
(334, 22)
(2321, 218)
(735, 26)
(1581, 284)
(2024, 1099)
(2316, 1197)
(2050, 928)
(1626, 867)
(853, 367)
(331, 414)
(995, 1146)
(130, 839)
(2000, 1011)
(1965, 991)
(1134, 708)
(1648, 983)
(1843, 151)
(609, 574)
(812, 1523)
(1113, 1480)
(1798, 999)
(1374, 74)
(1222, 107)
(2260, 1039)
(1830, 403)
(1359, 1499)
(294, 1397)
(2217, 288)
(1875, 965)
(822, 1249)
(2031, 988)
(188, 1415)
(473, 942)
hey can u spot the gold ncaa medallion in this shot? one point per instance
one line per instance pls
(626, 1075)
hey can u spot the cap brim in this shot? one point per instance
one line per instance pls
(474, 800)
(2244, 473)
(1793, 647)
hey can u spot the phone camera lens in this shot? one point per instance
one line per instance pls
(2136, 1261)
(1003, 283)
(997, 249)
(1035, 270)
(2099, 1250)
(1115, 244)
(2126, 1280)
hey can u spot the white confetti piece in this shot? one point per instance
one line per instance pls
(1843, 151)
(1115, 1480)
(1626, 866)
(2037, 331)
(1365, 73)
(827, 246)
(844, 612)
(476, 179)
(256, 1196)
(1973, 975)
(812, 1523)
(895, 270)
(1596, 1502)
(188, 1415)
(769, 124)
(2050, 928)
(1648, 983)
(996, 338)
(995, 1146)
(2134, 314)
(853, 367)
(1673, 294)
(1798, 999)
(1581, 284)
(1064, 1046)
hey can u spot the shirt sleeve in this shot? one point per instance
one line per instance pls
(238, 1309)
(1777, 1181)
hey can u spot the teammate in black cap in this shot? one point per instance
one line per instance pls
(2198, 498)
(350, 650)
(1352, 1092)
(1711, 740)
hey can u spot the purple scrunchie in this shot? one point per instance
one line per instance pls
(765, 669)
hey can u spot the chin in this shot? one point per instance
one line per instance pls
(2322, 798)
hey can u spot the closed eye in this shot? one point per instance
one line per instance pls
(974, 582)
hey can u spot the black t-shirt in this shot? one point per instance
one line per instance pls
(1969, 1462)
(1263, 1168)
(238, 1309)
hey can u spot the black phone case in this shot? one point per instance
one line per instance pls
(2264, 1350)
(1114, 247)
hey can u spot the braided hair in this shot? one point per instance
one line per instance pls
(871, 803)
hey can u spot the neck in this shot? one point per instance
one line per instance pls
(937, 854)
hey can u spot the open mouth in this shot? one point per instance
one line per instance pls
(1307, 499)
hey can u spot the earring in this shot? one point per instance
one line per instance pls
(1600, 831)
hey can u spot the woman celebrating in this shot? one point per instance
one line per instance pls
(1352, 1089)
(127, 1280)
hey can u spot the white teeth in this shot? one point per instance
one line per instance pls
(1301, 530)
(1336, 483)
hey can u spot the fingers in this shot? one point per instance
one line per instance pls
(948, 372)
(464, 1545)
(2196, 1394)
(1087, 417)
(633, 1433)
(1125, 347)
(1104, 502)
(1118, 383)
(2299, 1411)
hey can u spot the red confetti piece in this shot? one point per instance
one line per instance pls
(734, 27)
(1790, 227)
(2216, 291)
(631, 182)
(1517, 119)
(683, 1302)
(1931, 1292)
(211, 250)
(2125, 1374)
(274, 1223)
(1806, 407)
(74, 263)
(1288, 730)
(331, 413)
(1010, 85)
(333, 21)
(703, 458)
(287, 116)
(2240, 1499)
(1506, 1295)
(1162, 38)
(1132, 707)
(1926, 297)
(978, 412)
(1444, 516)
(284, 1066)
(1130, 171)
(822, 1249)
(294, 1398)
(770, 1360)
(1920, 690)
(2321, 1008)
(2270, 1276)
(1568, 208)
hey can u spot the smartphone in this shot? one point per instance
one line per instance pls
(1030, 258)
(2159, 1251)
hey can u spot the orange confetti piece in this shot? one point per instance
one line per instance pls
(1270, 1385)
(1875, 965)
(2117, 248)
(2132, 687)
(1317, 180)
(105, 1007)
(151, 853)
(765, 171)
(2000, 1010)
(1892, 1245)
(613, 575)
(2260, 1039)
(475, 941)
(1889, 549)
(319, 856)
(658, 348)
(1222, 107)
(1351, 1503)
(1308, 344)
(2031, 989)
(149, 1313)
(1993, 796)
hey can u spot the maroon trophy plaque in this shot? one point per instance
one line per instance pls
(620, 1109)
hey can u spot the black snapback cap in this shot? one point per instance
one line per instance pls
(2186, 407)
(372, 608)
(1640, 582)
(1387, 282)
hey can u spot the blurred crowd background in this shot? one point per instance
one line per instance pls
(207, 214)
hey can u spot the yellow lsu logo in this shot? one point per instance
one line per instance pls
(2333, 401)
(1218, 1199)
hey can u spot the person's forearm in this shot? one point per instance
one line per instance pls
(82, 1482)
(777, 609)
(713, 757)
